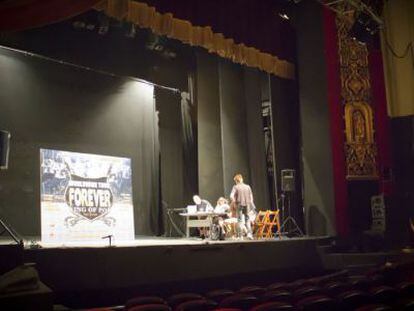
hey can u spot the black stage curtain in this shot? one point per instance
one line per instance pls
(48, 105)
(178, 153)
(287, 139)
(189, 134)
(255, 138)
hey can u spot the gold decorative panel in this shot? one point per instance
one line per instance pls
(360, 147)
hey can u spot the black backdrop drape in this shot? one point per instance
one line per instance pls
(178, 153)
(49, 105)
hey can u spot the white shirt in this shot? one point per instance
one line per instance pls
(222, 209)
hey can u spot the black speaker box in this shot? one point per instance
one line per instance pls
(288, 180)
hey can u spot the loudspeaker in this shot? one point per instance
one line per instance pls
(288, 180)
(4, 149)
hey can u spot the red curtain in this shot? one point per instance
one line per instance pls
(18, 15)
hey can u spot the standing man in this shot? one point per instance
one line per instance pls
(242, 195)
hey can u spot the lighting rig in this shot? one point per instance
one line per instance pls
(367, 21)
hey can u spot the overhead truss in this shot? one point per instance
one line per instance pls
(346, 7)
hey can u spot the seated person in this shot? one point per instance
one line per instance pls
(222, 206)
(231, 221)
(223, 209)
(202, 205)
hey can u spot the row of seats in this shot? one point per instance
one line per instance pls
(389, 287)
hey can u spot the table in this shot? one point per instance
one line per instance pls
(199, 220)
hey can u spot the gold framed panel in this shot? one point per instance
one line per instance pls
(360, 146)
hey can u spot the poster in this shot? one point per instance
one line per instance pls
(85, 197)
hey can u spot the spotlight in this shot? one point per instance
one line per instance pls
(103, 25)
(90, 27)
(78, 24)
(363, 28)
(284, 16)
(132, 31)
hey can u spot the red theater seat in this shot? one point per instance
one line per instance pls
(197, 305)
(316, 303)
(363, 284)
(175, 300)
(277, 295)
(374, 307)
(299, 284)
(239, 301)
(352, 299)
(151, 307)
(277, 285)
(336, 287)
(273, 306)
(408, 305)
(377, 280)
(219, 294)
(307, 291)
(252, 290)
(384, 294)
(328, 278)
(406, 289)
(144, 300)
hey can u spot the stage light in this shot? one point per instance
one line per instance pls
(132, 31)
(363, 28)
(284, 16)
(103, 25)
(78, 24)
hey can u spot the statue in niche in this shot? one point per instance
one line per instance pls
(360, 147)
(358, 121)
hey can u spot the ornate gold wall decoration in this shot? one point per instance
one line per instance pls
(360, 147)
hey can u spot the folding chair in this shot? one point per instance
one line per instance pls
(272, 221)
(261, 219)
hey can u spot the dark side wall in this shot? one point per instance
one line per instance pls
(403, 156)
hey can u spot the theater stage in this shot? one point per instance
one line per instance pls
(166, 265)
